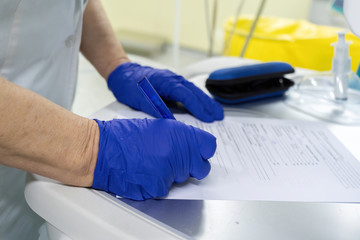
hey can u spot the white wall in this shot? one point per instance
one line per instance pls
(156, 17)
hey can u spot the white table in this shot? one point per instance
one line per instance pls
(80, 213)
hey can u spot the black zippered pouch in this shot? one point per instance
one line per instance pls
(250, 82)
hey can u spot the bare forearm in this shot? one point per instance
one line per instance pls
(99, 43)
(39, 136)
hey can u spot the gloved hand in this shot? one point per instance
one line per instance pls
(142, 158)
(123, 83)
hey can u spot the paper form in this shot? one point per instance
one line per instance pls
(269, 159)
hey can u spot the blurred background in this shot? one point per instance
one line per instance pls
(147, 27)
(178, 33)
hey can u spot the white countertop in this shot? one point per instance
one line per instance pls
(89, 214)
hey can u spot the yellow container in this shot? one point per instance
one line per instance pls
(298, 42)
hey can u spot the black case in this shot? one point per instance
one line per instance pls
(249, 82)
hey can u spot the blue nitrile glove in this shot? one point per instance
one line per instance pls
(123, 83)
(142, 158)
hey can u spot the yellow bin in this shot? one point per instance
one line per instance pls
(298, 42)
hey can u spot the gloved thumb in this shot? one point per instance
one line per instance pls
(206, 142)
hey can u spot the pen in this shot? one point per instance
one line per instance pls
(154, 99)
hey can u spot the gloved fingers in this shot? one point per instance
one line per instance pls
(206, 142)
(120, 186)
(153, 186)
(206, 145)
(200, 168)
(191, 102)
(194, 99)
(211, 106)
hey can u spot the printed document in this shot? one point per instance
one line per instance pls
(274, 160)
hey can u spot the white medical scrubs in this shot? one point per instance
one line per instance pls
(39, 48)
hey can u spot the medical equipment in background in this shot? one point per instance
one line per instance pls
(328, 96)
(232, 31)
(211, 29)
(297, 42)
(324, 95)
(176, 36)
(250, 82)
(252, 29)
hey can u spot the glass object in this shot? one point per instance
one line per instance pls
(327, 95)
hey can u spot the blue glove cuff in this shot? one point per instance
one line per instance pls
(104, 169)
(113, 79)
(101, 172)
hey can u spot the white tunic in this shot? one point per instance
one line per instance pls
(39, 48)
